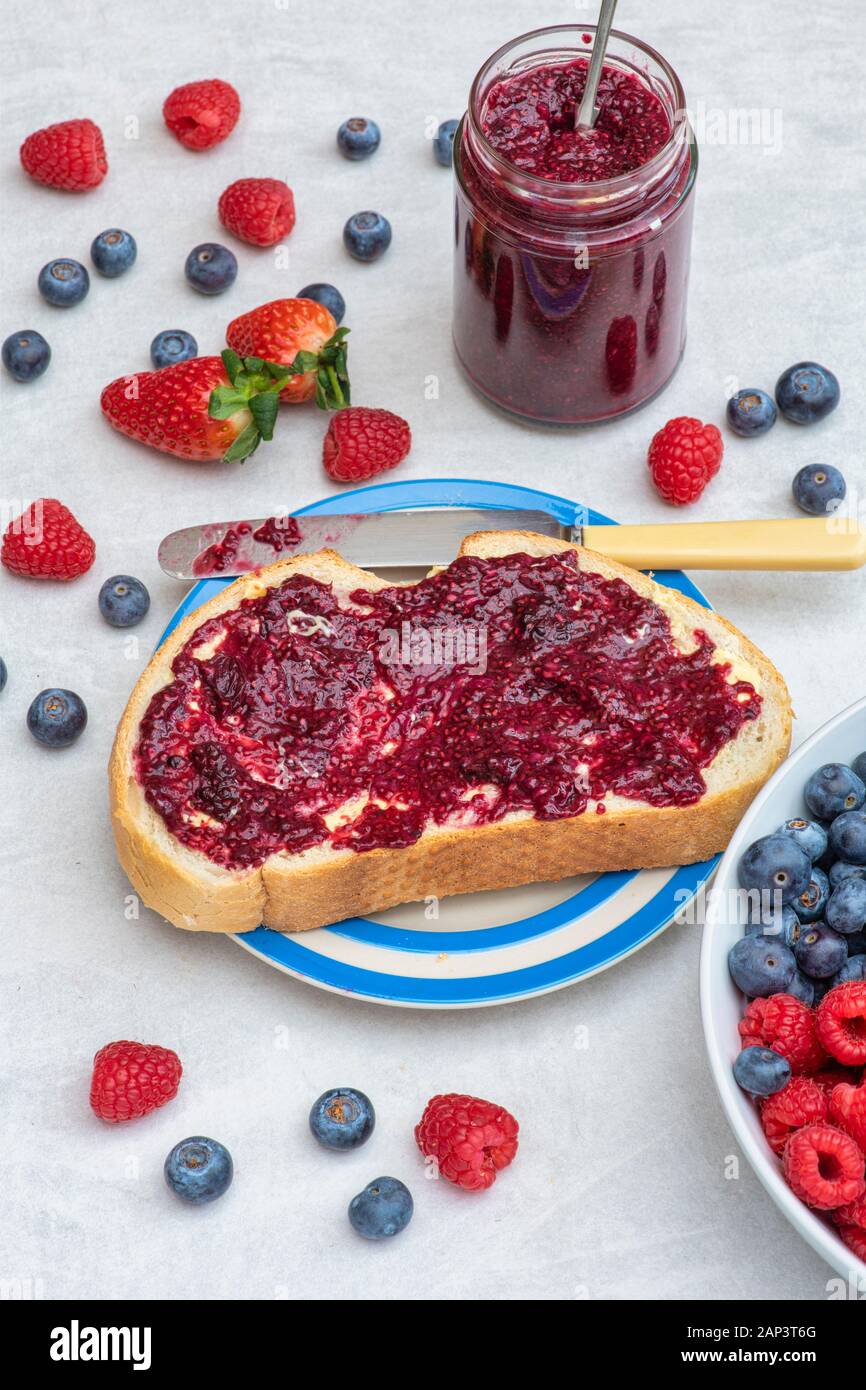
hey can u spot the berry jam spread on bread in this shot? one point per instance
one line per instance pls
(295, 718)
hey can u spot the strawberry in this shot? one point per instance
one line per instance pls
(213, 407)
(46, 542)
(202, 114)
(362, 442)
(278, 331)
(69, 155)
(260, 211)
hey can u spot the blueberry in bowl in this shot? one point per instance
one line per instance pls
(821, 952)
(761, 966)
(832, 789)
(761, 1071)
(778, 865)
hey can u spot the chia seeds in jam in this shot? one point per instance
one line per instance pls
(572, 247)
(279, 532)
(287, 724)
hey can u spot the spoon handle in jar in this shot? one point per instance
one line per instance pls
(834, 542)
(587, 112)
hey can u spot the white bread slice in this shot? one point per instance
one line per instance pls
(321, 885)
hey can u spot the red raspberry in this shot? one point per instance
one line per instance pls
(787, 1025)
(855, 1239)
(201, 114)
(260, 211)
(833, 1075)
(798, 1104)
(68, 155)
(130, 1079)
(362, 442)
(842, 1022)
(824, 1167)
(682, 457)
(470, 1139)
(848, 1111)
(852, 1215)
(46, 542)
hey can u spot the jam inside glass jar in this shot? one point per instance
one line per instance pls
(572, 247)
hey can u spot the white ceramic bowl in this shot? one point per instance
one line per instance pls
(840, 740)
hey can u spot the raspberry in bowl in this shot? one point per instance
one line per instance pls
(572, 248)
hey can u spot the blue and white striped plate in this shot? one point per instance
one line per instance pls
(482, 948)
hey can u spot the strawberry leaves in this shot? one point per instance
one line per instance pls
(255, 385)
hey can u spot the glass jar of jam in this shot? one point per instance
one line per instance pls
(572, 247)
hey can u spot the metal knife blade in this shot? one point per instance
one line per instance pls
(378, 540)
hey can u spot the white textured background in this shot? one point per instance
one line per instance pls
(620, 1188)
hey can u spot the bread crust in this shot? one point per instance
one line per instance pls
(293, 893)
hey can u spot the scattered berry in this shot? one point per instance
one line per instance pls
(278, 331)
(786, 1025)
(819, 489)
(383, 1209)
(69, 155)
(46, 542)
(211, 268)
(821, 951)
(202, 114)
(199, 1170)
(802, 1102)
(751, 412)
(760, 1071)
(26, 354)
(342, 1118)
(63, 283)
(362, 442)
(367, 236)
(123, 601)
(824, 1167)
(323, 293)
(113, 252)
(683, 456)
(848, 1110)
(834, 788)
(130, 1079)
(470, 1139)
(443, 143)
(807, 392)
(848, 836)
(172, 345)
(56, 718)
(778, 865)
(846, 910)
(358, 138)
(259, 211)
(760, 965)
(841, 1023)
(809, 835)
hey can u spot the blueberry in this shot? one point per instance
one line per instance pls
(761, 965)
(443, 145)
(801, 988)
(358, 138)
(761, 1072)
(751, 412)
(63, 283)
(809, 835)
(778, 864)
(326, 294)
(3, 674)
(819, 489)
(211, 268)
(172, 345)
(810, 904)
(383, 1209)
(832, 789)
(113, 252)
(846, 910)
(853, 969)
(840, 871)
(859, 766)
(848, 837)
(807, 392)
(783, 924)
(26, 354)
(821, 951)
(199, 1170)
(123, 601)
(342, 1118)
(367, 236)
(857, 944)
(57, 717)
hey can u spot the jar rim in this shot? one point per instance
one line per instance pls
(598, 188)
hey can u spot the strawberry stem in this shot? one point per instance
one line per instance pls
(255, 385)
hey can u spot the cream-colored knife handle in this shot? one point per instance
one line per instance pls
(810, 543)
